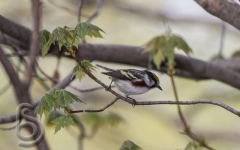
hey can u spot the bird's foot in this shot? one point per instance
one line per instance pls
(108, 88)
(133, 101)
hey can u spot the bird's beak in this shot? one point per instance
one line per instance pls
(158, 86)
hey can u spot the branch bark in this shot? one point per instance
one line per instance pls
(22, 94)
(132, 55)
(186, 67)
(15, 31)
(95, 14)
(13, 76)
(223, 9)
(35, 40)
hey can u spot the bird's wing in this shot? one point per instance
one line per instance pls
(116, 74)
(100, 66)
(137, 74)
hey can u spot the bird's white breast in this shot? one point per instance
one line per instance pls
(127, 88)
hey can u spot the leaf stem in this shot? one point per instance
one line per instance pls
(187, 129)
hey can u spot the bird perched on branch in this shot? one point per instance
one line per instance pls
(132, 81)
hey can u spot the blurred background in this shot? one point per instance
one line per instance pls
(135, 22)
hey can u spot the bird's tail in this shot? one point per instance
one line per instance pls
(100, 66)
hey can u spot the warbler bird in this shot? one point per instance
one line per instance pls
(132, 81)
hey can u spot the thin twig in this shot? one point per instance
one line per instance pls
(80, 5)
(12, 118)
(46, 75)
(42, 82)
(230, 109)
(35, 39)
(95, 14)
(223, 31)
(187, 129)
(9, 69)
(194, 102)
(184, 123)
(98, 110)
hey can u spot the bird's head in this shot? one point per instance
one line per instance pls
(152, 80)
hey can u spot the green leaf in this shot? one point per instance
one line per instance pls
(62, 37)
(73, 39)
(129, 145)
(64, 98)
(155, 43)
(88, 65)
(46, 105)
(53, 115)
(57, 98)
(62, 121)
(157, 58)
(78, 72)
(67, 36)
(193, 146)
(181, 44)
(82, 29)
(43, 40)
(95, 31)
(162, 47)
(236, 54)
(156, 46)
(168, 51)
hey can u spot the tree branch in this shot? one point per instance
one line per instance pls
(169, 102)
(35, 41)
(13, 76)
(15, 30)
(223, 9)
(80, 10)
(120, 54)
(89, 90)
(98, 110)
(95, 14)
(191, 68)
(7, 40)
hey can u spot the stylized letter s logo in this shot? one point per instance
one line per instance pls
(28, 141)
